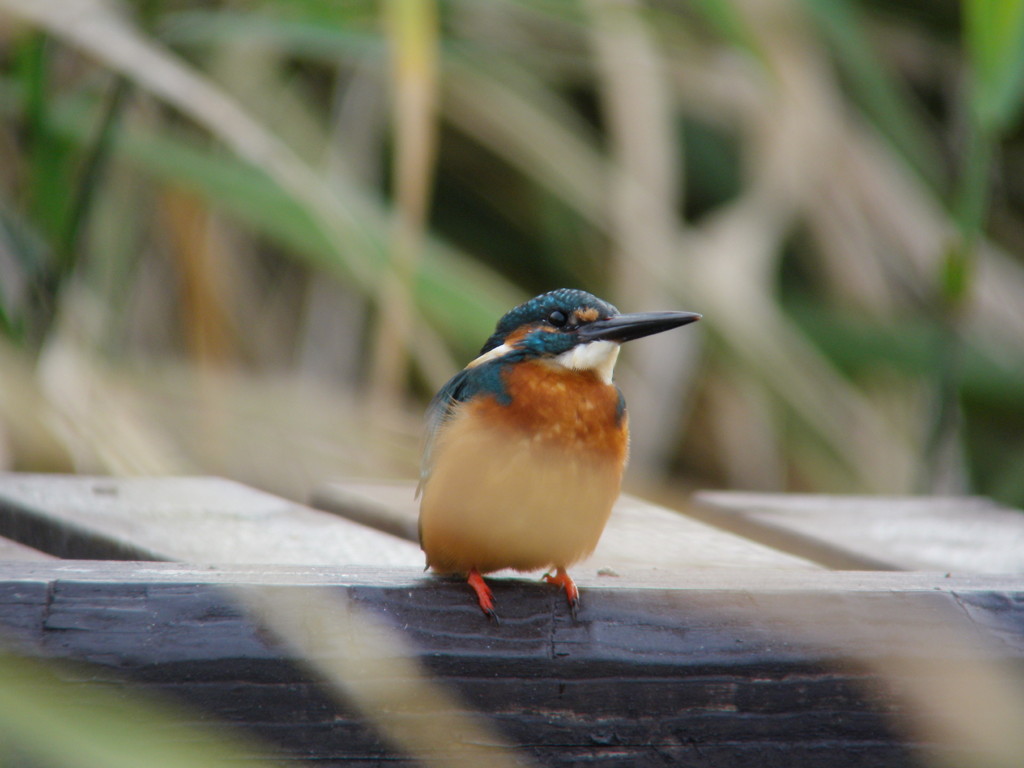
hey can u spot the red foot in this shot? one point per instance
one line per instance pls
(564, 580)
(483, 593)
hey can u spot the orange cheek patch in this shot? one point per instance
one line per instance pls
(587, 315)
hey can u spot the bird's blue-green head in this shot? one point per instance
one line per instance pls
(575, 329)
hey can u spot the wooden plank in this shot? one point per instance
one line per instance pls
(193, 519)
(387, 506)
(640, 536)
(737, 668)
(969, 534)
(12, 550)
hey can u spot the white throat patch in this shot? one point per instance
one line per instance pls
(597, 356)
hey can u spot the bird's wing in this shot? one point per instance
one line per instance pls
(455, 391)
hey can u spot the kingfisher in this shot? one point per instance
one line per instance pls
(526, 446)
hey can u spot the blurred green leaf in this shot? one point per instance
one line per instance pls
(860, 346)
(48, 158)
(954, 278)
(731, 25)
(302, 36)
(994, 37)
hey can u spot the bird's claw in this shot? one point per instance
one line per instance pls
(572, 592)
(574, 608)
(484, 596)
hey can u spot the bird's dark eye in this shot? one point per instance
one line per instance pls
(557, 318)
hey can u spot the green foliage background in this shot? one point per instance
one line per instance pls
(251, 237)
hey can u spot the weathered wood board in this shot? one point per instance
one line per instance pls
(966, 534)
(12, 550)
(724, 668)
(192, 519)
(640, 536)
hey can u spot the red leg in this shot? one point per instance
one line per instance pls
(564, 580)
(483, 593)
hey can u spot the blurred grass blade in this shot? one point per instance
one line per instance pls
(994, 38)
(91, 175)
(530, 126)
(731, 25)
(23, 263)
(204, 270)
(891, 106)
(994, 41)
(47, 199)
(372, 666)
(307, 38)
(459, 296)
(412, 29)
(644, 197)
(59, 723)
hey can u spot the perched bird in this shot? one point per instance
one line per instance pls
(526, 446)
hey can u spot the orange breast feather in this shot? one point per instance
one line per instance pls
(527, 485)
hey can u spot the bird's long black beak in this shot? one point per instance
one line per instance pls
(635, 326)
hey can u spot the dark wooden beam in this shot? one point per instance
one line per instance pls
(731, 668)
